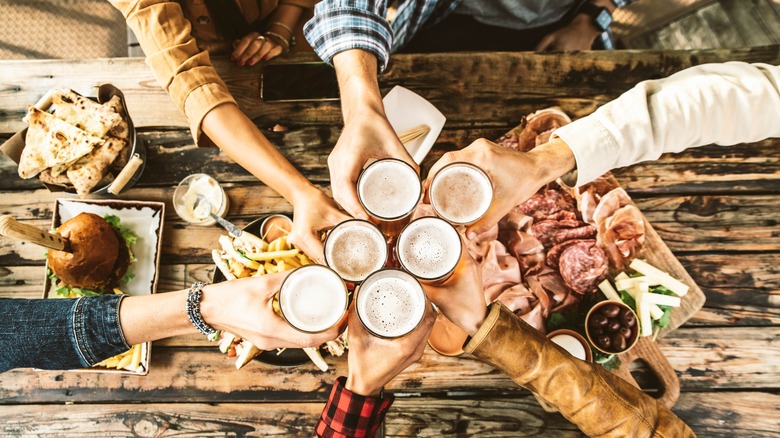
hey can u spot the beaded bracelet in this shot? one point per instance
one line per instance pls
(193, 311)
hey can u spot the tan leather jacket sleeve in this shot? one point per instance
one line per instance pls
(598, 402)
(183, 70)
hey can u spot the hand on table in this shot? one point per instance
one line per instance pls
(577, 35)
(313, 214)
(365, 137)
(373, 362)
(253, 48)
(244, 307)
(460, 298)
(516, 176)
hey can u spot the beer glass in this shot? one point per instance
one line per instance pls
(354, 249)
(429, 248)
(313, 298)
(461, 193)
(389, 190)
(390, 303)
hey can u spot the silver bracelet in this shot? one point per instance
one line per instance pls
(193, 312)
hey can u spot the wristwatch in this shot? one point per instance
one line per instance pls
(600, 15)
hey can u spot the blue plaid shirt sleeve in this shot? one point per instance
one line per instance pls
(340, 25)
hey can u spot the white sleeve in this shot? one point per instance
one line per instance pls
(726, 104)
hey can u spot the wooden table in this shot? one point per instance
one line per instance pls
(717, 209)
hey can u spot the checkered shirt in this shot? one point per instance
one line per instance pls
(349, 415)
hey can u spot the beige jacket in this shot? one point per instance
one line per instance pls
(598, 402)
(167, 32)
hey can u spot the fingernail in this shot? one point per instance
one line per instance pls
(241, 63)
(471, 235)
(251, 63)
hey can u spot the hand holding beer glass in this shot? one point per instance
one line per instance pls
(389, 191)
(375, 361)
(515, 175)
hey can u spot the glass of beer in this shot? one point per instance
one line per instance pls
(429, 248)
(313, 298)
(354, 249)
(390, 303)
(389, 190)
(461, 193)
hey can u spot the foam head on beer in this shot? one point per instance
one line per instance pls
(313, 298)
(355, 249)
(390, 303)
(389, 189)
(461, 193)
(429, 248)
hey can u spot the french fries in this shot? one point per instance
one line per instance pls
(130, 360)
(251, 256)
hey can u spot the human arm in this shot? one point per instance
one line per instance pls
(187, 75)
(598, 402)
(725, 104)
(355, 407)
(72, 333)
(367, 134)
(355, 37)
(579, 33)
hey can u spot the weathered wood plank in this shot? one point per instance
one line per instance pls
(705, 358)
(493, 88)
(758, 27)
(708, 414)
(721, 26)
(715, 223)
(741, 289)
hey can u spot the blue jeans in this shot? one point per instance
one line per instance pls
(58, 334)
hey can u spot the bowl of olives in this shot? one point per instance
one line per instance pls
(612, 327)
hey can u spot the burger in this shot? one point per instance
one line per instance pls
(98, 258)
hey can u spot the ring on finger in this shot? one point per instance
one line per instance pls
(260, 38)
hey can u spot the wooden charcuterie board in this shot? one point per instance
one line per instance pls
(658, 254)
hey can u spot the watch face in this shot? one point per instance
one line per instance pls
(604, 19)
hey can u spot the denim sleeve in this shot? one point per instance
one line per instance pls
(340, 25)
(59, 334)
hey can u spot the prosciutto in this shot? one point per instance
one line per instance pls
(621, 228)
(535, 129)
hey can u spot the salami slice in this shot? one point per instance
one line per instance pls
(583, 265)
(546, 203)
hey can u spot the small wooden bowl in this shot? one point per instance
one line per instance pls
(629, 342)
(585, 345)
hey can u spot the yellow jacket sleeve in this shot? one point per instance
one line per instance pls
(183, 70)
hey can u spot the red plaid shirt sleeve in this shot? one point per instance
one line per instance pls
(350, 415)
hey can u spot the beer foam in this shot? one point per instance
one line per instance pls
(389, 189)
(461, 194)
(429, 248)
(390, 303)
(313, 298)
(355, 249)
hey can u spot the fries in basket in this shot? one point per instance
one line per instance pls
(251, 256)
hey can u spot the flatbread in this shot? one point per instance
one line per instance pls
(52, 142)
(87, 172)
(120, 130)
(85, 113)
(60, 180)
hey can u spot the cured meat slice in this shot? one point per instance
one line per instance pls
(546, 203)
(542, 122)
(552, 232)
(621, 229)
(520, 243)
(515, 220)
(479, 246)
(499, 267)
(554, 254)
(583, 265)
(589, 195)
(518, 299)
